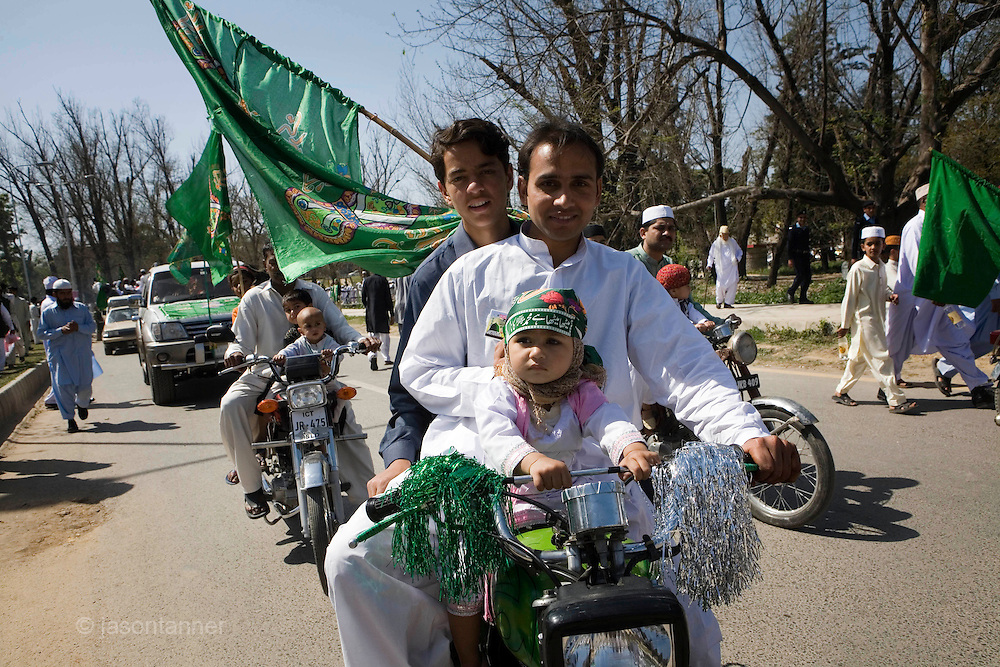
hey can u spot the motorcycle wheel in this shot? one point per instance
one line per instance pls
(318, 509)
(805, 500)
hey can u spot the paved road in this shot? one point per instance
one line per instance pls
(162, 567)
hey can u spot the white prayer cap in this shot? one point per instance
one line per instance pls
(869, 232)
(724, 229)
(49, 282)
(922, 191)
(62, 283)
(655, 213)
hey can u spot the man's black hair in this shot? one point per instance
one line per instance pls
(298, 294)
(491, 139)
(559, 134)
(268, 249)
(594, 229)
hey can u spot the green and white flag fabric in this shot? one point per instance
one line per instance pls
(960, 242)
(201, 206)
(296, 138)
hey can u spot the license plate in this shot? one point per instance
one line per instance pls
(748, 382)
(309, 420)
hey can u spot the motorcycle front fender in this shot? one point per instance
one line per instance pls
(786, 404)
(312, 471)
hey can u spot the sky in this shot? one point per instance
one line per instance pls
(107, 54)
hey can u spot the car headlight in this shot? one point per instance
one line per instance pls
(163, 331)
(307, 396)
(647, 645)
(111, 334)
(744, 347)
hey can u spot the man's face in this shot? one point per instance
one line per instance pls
(869, 210)
(561, 192)
(273, 270)
(476, 185)
(801, 220)
(872, 247)
(64, 298)
(724, 236)
(659, 236)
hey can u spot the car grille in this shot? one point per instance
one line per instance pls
(195, 328)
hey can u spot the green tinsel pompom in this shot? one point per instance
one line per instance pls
(458, 495)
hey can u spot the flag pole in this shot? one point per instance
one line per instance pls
(394, 132)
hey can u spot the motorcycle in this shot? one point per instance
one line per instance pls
(299, 469)
(574, 591)
(783, 505)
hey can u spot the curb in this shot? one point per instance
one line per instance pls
(18, 397)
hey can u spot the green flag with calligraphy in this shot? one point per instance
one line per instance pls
(960, 242)
(201, 206)
(296, 139)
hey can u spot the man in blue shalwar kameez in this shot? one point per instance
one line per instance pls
(67, 327)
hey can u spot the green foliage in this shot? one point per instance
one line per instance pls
(821, 334)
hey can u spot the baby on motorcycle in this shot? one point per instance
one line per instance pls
(314, 339)
(543, 414)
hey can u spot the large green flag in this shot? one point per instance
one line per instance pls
(201, 205)
(960, 242)
(296, 139)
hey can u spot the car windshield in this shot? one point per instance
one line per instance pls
(166, 289)
(122, 315)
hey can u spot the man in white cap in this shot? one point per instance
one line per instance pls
(67, 327)
(725, 255)
(918, 326)
(657, 230)
(47, 302)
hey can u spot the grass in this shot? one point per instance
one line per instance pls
(825, 288)
(815, 346)
(35, 357)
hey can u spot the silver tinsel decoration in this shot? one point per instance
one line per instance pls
(702, 502)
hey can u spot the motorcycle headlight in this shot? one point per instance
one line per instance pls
(744, 347)
(163, 331)
(647, 645)
(305, 396)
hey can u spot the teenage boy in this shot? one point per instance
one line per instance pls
(471, 161)
(384, 615)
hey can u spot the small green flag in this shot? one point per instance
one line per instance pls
(201, 206)
(296, 138)
(960, 242)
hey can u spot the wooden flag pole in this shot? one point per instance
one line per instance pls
(396, 133)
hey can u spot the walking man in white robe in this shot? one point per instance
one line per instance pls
(725, 255)
(68, 326)
(918, 326)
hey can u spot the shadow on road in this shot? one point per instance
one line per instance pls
(51, 481)
(131, 426)
(860, 509)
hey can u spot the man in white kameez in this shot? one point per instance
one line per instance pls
(918, 326)
(725, 255)
(388, 618)
(984, 318)
(48, 302)
(68, 326)
(260, 327)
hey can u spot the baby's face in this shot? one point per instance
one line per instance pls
(682, 292)
(292, 309)
(539, 355)
(312, 326)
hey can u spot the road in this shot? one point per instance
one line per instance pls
(122, 545)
